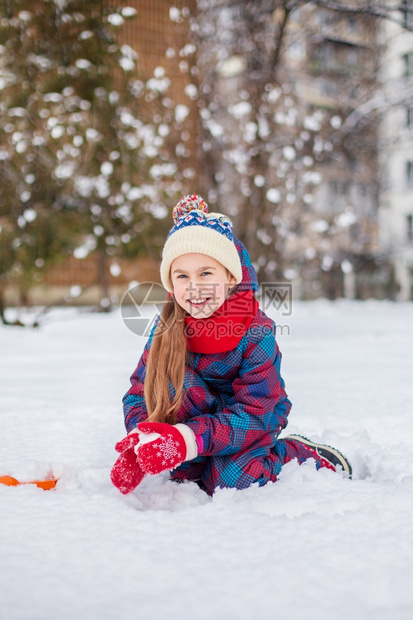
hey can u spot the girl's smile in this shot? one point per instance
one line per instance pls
(200, 284)
(198, 302)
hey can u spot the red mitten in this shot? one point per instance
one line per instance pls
(126, 473)
(164, 446)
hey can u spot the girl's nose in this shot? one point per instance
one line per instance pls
(193, 286)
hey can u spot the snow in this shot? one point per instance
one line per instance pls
(346, 218)
(320, 226)
(147, 438)
(289, 153)
(181, 112)
(313, 544)
(115, 19)
(129, 11)
(238, 110)
(259, 180)
(273, 195)
(127, 64)
(106, 169)
(175, 14)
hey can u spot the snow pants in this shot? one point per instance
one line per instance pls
(241, 469)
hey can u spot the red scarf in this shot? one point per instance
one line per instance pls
(224, 329)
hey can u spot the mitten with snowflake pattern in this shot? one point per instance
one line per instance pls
(126, 473)
(164, 446)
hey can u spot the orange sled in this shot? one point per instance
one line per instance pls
(42, 484)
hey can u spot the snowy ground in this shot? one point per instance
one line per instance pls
(312, 545)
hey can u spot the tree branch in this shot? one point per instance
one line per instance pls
(280, 38)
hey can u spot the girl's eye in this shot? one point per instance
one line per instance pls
(180, 276)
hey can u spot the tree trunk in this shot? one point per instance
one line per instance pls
(103, 281)
(2, 307)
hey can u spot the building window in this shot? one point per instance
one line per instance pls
(409, 222)
(328, 88)
(326, 17)
(296, 50)
(353, 25)
(352, 57)
(409, 117)
(337, 56)
(407, 13)
(408, 64)
(339, 188)
(409, 173)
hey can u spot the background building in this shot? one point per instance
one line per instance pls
(335, 56)
(396, 149)
(285, 153)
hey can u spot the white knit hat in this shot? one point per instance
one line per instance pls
(197, 231)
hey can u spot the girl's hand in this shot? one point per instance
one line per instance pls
(164, 446)
(126, 473)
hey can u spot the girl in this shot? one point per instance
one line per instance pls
(207, 400)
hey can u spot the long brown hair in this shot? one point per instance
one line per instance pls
(165, 365)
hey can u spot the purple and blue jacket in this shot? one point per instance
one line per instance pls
(234, 401)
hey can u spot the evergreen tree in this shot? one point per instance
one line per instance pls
(84, 163)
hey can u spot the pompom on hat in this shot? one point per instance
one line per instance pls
(197, 231)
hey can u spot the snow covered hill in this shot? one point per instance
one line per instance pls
(312, 545)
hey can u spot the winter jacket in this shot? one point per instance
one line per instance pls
(234, 400)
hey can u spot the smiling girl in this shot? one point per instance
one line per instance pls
(207, 400)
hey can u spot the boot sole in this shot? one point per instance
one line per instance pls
(326, 452)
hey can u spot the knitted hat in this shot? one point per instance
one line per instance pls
(196, 230)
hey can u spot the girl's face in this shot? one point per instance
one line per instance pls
(200, 284)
